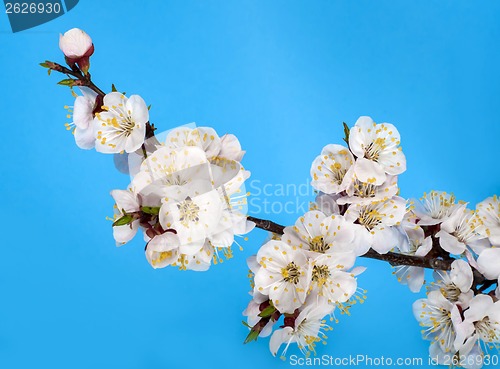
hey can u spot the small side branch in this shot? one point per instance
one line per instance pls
(81, 79)
(267, 225)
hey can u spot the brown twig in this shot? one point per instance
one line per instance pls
(392, 258)
(83, 79)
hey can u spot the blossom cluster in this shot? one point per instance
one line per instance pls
(303, 276)
(186, 193)
(187, 196)
(308, 272)
(461, 313)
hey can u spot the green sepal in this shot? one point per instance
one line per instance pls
(124, 220)
(152, 210)
(346, 133)
(67, 82)
(267, 312)
(252, 336)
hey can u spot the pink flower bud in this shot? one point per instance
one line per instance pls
(76, 44)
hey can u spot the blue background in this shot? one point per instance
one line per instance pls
(282, 76)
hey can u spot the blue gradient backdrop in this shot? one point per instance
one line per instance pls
(282, 76)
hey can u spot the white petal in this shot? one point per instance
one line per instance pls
(416, 279)
(114, 99)
(489, 263)
(425, 247)
(85, 138)
(363, 240)
(386, 239)
(138, 109)
(461, 275)
(123, 234)
(82, 112)
(394, 162)
(369, 171)
(136, 138)
(478, 307)
(125, 200)
(278, 338)
(75, 43)
(450, 243)
(361, 135)
(231, 148)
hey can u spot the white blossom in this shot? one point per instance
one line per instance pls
(316, 233)
(173, 170)
(377, 149)
(462, 228)
(330, 277)
(418, 245)
(455, 285)
(122, 124)
(83, 119)
(284, 275)
(193, 217)
(163, 250)
(361, 192)
(252, 312)
(438, 318)
(203, 137)
(375, 224)
(127, 202)
(481, 323)
(200, 200)
(434, 207)
(329, 168)
(306, 332)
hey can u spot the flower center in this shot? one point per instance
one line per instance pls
(291, 273)
(438, 204)
(485, 329)
(338, 172)
(161, 257)
(189, 211)
(451, 292)
(373, 150)
(173, 179)
(122, 119)
(441, 326)
(127, 126)
(320, 274)
(467, 227)
(364, 190)
(317, 244)
(369, 217)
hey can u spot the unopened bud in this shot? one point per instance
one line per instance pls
(77, 47)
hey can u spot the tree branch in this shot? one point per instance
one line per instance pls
(83, 79)
(392, 258)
